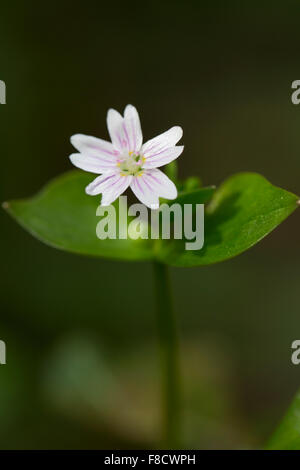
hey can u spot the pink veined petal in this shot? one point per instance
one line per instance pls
(161, 184)
(151, 185)
(97, 156)
(111, 186)
(117, 130)
(115, 190)
(144, 192)
(94, 146)
(133, 129)
(162, 142)
(92, 163)
(163, 157)
(101, 183)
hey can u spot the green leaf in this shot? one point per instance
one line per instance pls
(243, 210)
(195, 196)
(287, 435)
(64, 217)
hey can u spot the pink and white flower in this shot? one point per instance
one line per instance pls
(126, 161)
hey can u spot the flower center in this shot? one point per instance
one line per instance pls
(131, 164)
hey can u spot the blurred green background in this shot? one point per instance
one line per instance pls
(82, 356)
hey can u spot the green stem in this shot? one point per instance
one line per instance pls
(168, 341)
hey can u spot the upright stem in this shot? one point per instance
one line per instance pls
(168, 342)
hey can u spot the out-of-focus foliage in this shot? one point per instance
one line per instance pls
(287, 435)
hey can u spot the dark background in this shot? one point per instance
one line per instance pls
(82, 366)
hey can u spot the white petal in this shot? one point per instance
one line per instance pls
(162, 142)
(116, 129)
(97, 156)
(93, 164)
(133, 128)
(162, 184)
(143, 192)
(114, 191)
(163, 157)
(101, 183)
(111, 186)
(151, 185)
(94, 146)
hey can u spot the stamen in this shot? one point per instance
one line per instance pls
(131, 164)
